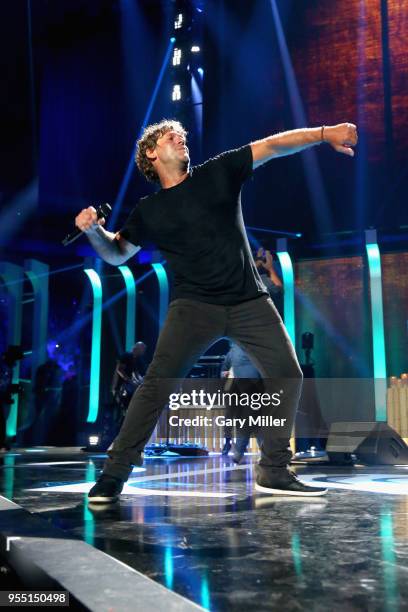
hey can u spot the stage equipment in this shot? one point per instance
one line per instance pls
(183, 450)
(208, 366)
(101, 212)
(369, 442)
(93, 440)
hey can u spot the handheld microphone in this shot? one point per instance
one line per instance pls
(101, 212)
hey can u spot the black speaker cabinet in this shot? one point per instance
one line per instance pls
(372, 443)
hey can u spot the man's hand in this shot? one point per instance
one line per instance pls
(341, 137)
(259, 257)
(268, 264)
(264, 259)
(113, 249)
(87, 220)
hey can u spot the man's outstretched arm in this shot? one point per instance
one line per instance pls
(111, 247)
(341, 137)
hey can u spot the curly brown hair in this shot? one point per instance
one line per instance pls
(148, 141)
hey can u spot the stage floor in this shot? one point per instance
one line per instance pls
(196, 526)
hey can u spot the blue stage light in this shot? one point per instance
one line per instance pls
(95, 344)
(288, 288)
(130, 306)
(164, 291)
(377, 325)
(126, 179)
(320, 204)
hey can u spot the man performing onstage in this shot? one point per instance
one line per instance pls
(195, 220)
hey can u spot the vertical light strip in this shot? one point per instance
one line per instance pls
(130, 306)
(96, 345)
(8, 471)
(168, 567)
(377, 321)
(288, 288)
(89, 520)
(13, 278)
(205, 593)
(164, 291)
(296, 553)
(389, 560)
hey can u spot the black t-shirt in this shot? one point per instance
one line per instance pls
(198, 227)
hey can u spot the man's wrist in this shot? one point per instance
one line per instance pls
(327, 131)
(314, 135)
(91, 230)
(95, 229)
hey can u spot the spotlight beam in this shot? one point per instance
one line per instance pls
(264, 230)
(312, 171)
(128, 174)
(329, 330)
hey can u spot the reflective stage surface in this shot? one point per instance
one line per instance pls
(197, 527)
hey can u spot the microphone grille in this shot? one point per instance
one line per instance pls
(104, 210)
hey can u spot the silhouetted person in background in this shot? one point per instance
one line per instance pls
(242, 377)
(128, 376)
(47, 391)
(264, 263)
(5, 382)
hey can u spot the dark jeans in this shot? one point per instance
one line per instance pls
(190, 329)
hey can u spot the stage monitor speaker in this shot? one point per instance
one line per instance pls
(184, 450)
(372, 443)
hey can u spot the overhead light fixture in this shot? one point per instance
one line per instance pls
(177, 57)
(178, 22)
(195, 49)
(176, 93)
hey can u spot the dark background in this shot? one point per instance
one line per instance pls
(76, 80)
(77, 77)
